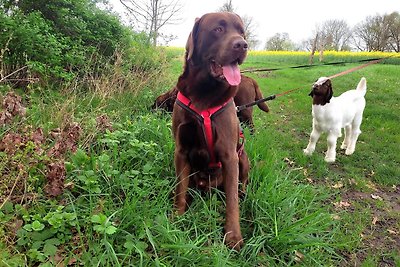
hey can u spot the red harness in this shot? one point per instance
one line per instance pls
(205, 117)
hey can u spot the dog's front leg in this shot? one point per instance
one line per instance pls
(315, 134)
(182, 169)
(230, 171)
(244, 168)
(331, 152)
(355, 132)
(347, 137)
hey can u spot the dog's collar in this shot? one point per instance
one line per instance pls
(205, 117)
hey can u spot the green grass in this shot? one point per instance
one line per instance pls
(117, 209)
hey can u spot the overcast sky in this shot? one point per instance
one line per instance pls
(297, 18)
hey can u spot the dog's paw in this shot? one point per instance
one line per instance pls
(180, 206)
(330, 159)
(343, 146)
(234, 240)
(307, 152)
(349, 151)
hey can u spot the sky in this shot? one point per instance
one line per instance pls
(297, 18)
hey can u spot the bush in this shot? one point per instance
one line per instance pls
(63, 39)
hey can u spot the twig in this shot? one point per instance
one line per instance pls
(22, 80)
(9, 195)
(12, 73)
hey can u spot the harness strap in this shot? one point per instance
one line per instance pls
(205, 117)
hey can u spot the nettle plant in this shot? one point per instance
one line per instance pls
(119, 156)
(42, 235)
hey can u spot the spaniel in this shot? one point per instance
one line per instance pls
(331, 114)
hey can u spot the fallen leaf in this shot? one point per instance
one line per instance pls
(298, 256)
(289, 162)
(392, 232)
(103, 123)
(372, 173)
(12, 105)
(337, 185)
(376, 197)
(72, 261)
(69, 185)
(353, 181)
(55, 178)
(372, 186)
(342, 204)
(336, 217)
(310, 180)
(374, 220)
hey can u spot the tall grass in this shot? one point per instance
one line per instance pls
(117, 209)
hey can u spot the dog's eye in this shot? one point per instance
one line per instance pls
(218, 29)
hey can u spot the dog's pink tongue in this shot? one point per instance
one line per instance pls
(232, 74)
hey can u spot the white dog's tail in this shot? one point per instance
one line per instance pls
(362, 86)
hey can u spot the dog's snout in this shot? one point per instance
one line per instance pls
(240, 45)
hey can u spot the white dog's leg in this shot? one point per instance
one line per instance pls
(315, 134)
(347, 137)
(354, 134)
(331, 152)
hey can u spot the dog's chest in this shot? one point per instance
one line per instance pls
(324, 116)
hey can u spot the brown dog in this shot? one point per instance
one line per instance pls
(204, 122)
(166, 100)
(248, 92)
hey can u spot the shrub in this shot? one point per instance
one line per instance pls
(63, 39)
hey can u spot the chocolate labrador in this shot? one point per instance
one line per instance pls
(204, 122)
(248, 92)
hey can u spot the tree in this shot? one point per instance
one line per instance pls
(249, 24)
(227, 7)
(152, 15)
(336, 35)
(372, 34)
(394, 31)
(331, 35)
(279, 42)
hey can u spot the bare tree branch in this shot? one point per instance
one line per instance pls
(249, 24)
(152, 15)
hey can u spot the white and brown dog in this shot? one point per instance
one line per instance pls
(331, 114)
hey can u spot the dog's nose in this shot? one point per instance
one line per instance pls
(240, 45)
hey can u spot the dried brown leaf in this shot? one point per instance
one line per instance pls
(103, 123)
(55, 178)
(392, 232)
(376, 197)
(342, 204)
(337, 185)
(299, 257)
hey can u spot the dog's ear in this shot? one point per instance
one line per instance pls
(312, 90)
(329, 93)
(192, 40)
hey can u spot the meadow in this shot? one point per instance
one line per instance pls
(116, 205)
